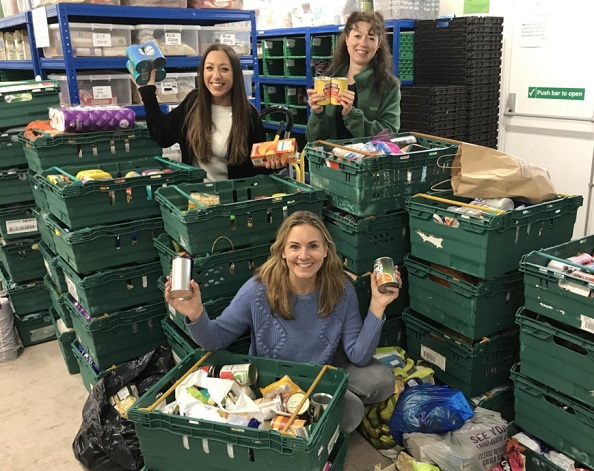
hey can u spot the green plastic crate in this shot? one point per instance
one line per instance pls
(90, 375)
(569, 354)
(28, 100)
(247, 214)
(490, 245)
(86, 150)
(499, 399)
(274, 94)
(295, 68)
(14, 186)
(294, 47)
(562, 422)
(26, 298)
(17, 221)
(58, 300)
(175, 443)
(559, 296)
(360, 241)
(273, 47)
(296, 96)
(377, 185)
(220, 274)
(99, 248)
(122, 336)
(273, 67)
(44, 230)
(34, 328)
(393, 333)
(11, 150)
(475, 310)
(115, 289)
(52, 266)
(65, 338)
(80, 205)
(322, 46)
(472, 367)
(179, 343)
(22, 260)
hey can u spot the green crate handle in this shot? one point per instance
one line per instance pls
(188, 196)
(459, 203)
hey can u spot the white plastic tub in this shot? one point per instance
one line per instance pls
(91, 40)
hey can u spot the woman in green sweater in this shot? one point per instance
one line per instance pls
(372, 101)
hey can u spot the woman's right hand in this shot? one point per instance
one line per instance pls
(191, 308)
(150, 82)
(312, 100)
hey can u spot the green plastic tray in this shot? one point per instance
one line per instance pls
(88, 149)
(569, 353)
(89, 375)
(499, 399)
(115, 289)
(393, 333)
(58, 299)
(559, 296)
(99, 248)
(34, 328)
(25, 101)
(26, 298)
(14, 186)
(44, 230)
(360, 241)
(177, 443)
(122, 336)
(490, 245)
(38, 193)
(17, 221)
(220, 274)
(471, 367)
(52, 266)
(177, 341)
(11, 150)
(380, 184)
(22, 260)
(247, 214)
(475, 310)
(565, 424)
(93, 203)
(65, 339)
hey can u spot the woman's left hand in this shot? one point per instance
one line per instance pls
(379, 300)
(274, 162)
(347, 98)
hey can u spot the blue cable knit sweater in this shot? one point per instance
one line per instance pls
(306, 338)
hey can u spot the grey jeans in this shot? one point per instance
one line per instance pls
(367, 385)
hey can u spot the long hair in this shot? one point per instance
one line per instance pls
(274, 273)
(199, 125)
(383, 77)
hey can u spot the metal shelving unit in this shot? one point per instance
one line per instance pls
(16, 22)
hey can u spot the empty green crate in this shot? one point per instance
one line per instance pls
(25, 101)
(273, 47)
(377, 185)
(489, 245)
(294, 47)
(360, 241)
(34, 328)
(26, 298)
(122, 336)
(295, 68)
(17, 221)
(552, 293)
(562, 422)
(58, 300)
(90, 374)
(22, 260)
(98, 202)
(475, 310)
(14, 186)
(116, 289)
(86, 150)
(220, 274)
(52, 266)
(175, 443)
(274, 94)
(65, 338)
(321, 46)
(249, 213)
(11, 150)
(472, 367)
(393, 333)
(274, 67)
(44, 230)
(557, 355)
(99, 248)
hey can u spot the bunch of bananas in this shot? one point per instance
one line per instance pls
(374, 426)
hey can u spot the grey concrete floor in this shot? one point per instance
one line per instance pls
(41, 412)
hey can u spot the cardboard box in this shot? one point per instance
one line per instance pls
(286, 149)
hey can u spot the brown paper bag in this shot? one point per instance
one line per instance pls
(481, 172)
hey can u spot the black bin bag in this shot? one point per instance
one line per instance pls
(106, 441)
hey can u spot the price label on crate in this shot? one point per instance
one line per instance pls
(101, 40)
(228, 39)
(173, 39)
(102, 92)
(18, 226)
(316, 41)
(291, 91)
(71, 288)
(169, 88)
(433, 357)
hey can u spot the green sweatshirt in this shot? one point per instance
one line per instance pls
(374, 112)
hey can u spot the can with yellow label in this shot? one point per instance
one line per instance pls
(322, 87)
(339, 85)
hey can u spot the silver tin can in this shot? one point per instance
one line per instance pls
(181, 275)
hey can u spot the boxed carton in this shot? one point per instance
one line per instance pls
(286, 149)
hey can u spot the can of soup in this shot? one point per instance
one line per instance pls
(385, 274)
(322, 87)
(339, 85)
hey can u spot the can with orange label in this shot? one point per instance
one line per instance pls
(339, 85)
(385, 274)
(322, 87)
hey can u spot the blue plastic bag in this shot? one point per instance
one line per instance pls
(429, 409)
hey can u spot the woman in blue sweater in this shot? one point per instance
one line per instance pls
(299, 306)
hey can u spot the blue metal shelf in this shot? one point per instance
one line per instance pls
(17, 65)
(120, 62)
(19, 19)
(282, 81)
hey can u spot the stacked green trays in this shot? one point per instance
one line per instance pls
(87, 149)
(533, 461)
(26, 298)
(359, 242)
(249, 213)
(273, 47)
(44, 230)
(17, 221)
(11, 150)
(322, 47)
(14, 186)
(475, 310)
(393, 333)
(65, 338)
(25, 101)
(97, 202)
(180, 344)
(381, 184)
(21, 260)
(562, 422)
(219, 274)
(120, 336)
(34, 328)
(473, 367)
(232, 447)
(489, 245)
(98, 248)
(38, 193)
(52, 266)
(569, 354)
(58, 300)
(295, 68)
(115, 289)
(90, 372)
(294, 47)
(555, 294)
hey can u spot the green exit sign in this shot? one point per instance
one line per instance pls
(553, 93)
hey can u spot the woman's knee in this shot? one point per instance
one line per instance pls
(353, 412)
(372, 383)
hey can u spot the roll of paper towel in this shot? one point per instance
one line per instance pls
(91, 118)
